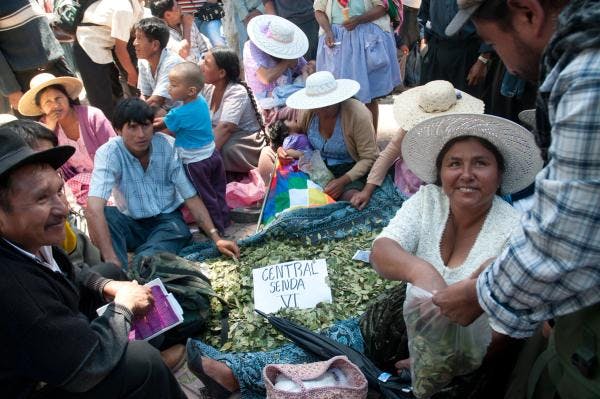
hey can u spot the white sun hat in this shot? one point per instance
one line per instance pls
(27, 105)
(522, 159)
(435, 98)
(277, 37)
(322, 90)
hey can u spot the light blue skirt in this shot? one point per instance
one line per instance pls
(247, 367)
(366, 54)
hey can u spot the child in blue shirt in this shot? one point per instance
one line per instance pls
(195, 142)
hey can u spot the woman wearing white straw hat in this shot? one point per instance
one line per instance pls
(356, 42)
(83, 127)
(439, 236)
(339, 127)
(274, 63)
(411, 107)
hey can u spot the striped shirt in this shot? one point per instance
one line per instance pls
(551, 266)
(139, 193)
(190, 6)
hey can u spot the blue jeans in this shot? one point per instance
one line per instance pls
(212, 30)
(165, 232)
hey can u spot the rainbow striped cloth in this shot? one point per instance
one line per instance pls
(291, 188)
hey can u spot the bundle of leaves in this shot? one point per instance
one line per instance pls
(354, 285)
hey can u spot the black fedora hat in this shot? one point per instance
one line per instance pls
(15, 152)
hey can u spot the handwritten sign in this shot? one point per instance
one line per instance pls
(298, 284)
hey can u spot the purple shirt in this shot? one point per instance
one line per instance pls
(254, 58)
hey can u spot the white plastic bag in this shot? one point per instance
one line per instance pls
(312, 164)
(440, 349)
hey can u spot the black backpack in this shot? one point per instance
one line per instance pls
(68, 14)
(191, 288)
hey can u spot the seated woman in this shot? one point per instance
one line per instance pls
(83, 127)
(273, 63)
(356, 42)
(411, 107)
(340, 127)
(236, 121)
(442, 234)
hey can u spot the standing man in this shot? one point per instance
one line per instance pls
(27, 47)
(461, 59)
(551, 268)
(301, 13)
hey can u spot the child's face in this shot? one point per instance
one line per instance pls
(179, 90)
(173, 16)
(144, 47)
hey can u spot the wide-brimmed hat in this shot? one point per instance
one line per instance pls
(322, 90)
(522, 160)
(15, 152)
(5, 118)
(277, 37)
(435, 98)
(27, 105)
(466, 8)
(527, 117)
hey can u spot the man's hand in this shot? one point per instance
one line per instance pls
(184, 48)
(13, 99)
(459, 302)
(228, 248)
(134, 297)
(477, 73)
(132, 78)
(404, 49)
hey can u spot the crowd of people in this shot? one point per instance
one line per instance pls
(148, 114)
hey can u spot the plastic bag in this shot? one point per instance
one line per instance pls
(246, 192)
(440, 349)
(312, 164)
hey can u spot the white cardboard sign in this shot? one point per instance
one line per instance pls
(297, 284)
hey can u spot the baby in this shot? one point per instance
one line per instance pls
(195, 142)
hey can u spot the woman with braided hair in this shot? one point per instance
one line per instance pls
(236, 120)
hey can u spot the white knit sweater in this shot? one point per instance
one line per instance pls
(420, 222)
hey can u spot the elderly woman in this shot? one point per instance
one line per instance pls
(273, 63)
(356, 43)
(444, 233)
(83, 127)
(236, 120)
(411, 107)
(340, 128)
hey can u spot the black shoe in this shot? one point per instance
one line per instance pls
(194, 361)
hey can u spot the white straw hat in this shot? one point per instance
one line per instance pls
(322, 90)
(277, 36)
(435, 98)
(522, 160)
(39, 82)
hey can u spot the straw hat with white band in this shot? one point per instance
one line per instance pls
(322, 90)
(522, 159)
(27, 105)
(277, 37)
(435, 98)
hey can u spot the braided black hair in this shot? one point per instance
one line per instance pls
(227, 60)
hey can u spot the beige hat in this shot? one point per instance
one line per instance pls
(277, 37)
(322, 90)
(522, 160)
(39, 82)
(435, 98)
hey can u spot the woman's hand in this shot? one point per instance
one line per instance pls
(51, 120)
(329, 39)
(361, 199)
(134, 297)
(351, 23)
(335, 188)
(308, 69)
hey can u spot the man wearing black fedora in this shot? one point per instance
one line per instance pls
(52, 345)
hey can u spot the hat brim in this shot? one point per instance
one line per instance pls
(461, 18)
(522, 159)
(27, 105)
(527, 117)
(345, 89)
(408, 113)
(55, 157)
(287, 51)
